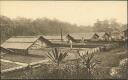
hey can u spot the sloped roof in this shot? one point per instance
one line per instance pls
(16, 45)
(77, 35)
(82, 35)
(19, 42)
(89, 35)
(22, 39)
(100, 34)
(116, 33)
(52, 37)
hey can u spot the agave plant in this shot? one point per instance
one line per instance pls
(56, 56)
(88, 61)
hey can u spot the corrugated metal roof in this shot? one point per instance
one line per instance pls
(89, 35)
(19, 42)
(55, 38)
(22, 39)
(16, 45)
(86, 35)
(82, 35)
(100, 34)
(52, 37)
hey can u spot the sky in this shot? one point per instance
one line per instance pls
(75, 12)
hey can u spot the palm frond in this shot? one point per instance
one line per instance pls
(57, 56)
(51, 57)
(56, 53)
(64, 55)
(60, 57)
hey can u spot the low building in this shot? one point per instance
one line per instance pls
(92, 36)
(125, 33)
(21, 44)
(100, 35)
(95, 37)
(126, 38)
(69, 38)
(55, 39)
(81, 37)
(4, 51)
(107, 37)
(116, 35)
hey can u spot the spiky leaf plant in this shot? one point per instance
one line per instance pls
(57, 56)
(88, 61)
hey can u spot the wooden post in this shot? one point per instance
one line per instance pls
(70, 44)
(61, 35)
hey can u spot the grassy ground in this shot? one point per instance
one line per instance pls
(108, 60)
(21, 58)
(111, 58)
(7, 65)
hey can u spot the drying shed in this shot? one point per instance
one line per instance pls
(104, 35)
(126, 38)
(21, 44)
(55, 39)
(95, 37)
(107, 37)
(4, 51)
(70, 37)
(117, 35)
(125, 33)
(81, 37)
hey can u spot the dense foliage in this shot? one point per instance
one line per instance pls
(108, 26)
(43, 26)
(40, 26)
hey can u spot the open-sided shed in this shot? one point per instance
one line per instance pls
(126, 38)
(104, 36)
(54, 38)
(21, 44)
(81, 37)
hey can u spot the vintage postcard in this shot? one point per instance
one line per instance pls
(63, 39)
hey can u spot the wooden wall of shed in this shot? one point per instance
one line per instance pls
(126, 43)
(20, 51)
(38, 45)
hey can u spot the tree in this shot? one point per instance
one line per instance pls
(97, 26)
(115, 25)
(106, 26)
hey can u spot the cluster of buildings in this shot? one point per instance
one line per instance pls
(27, 45)
(22, 44)
(97, 36)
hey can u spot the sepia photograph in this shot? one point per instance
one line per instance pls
(63, 40)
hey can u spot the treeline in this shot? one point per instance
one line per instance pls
(108, 26)
(40, 26)
(43, 26)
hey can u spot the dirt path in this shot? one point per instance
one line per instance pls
(19, 63)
